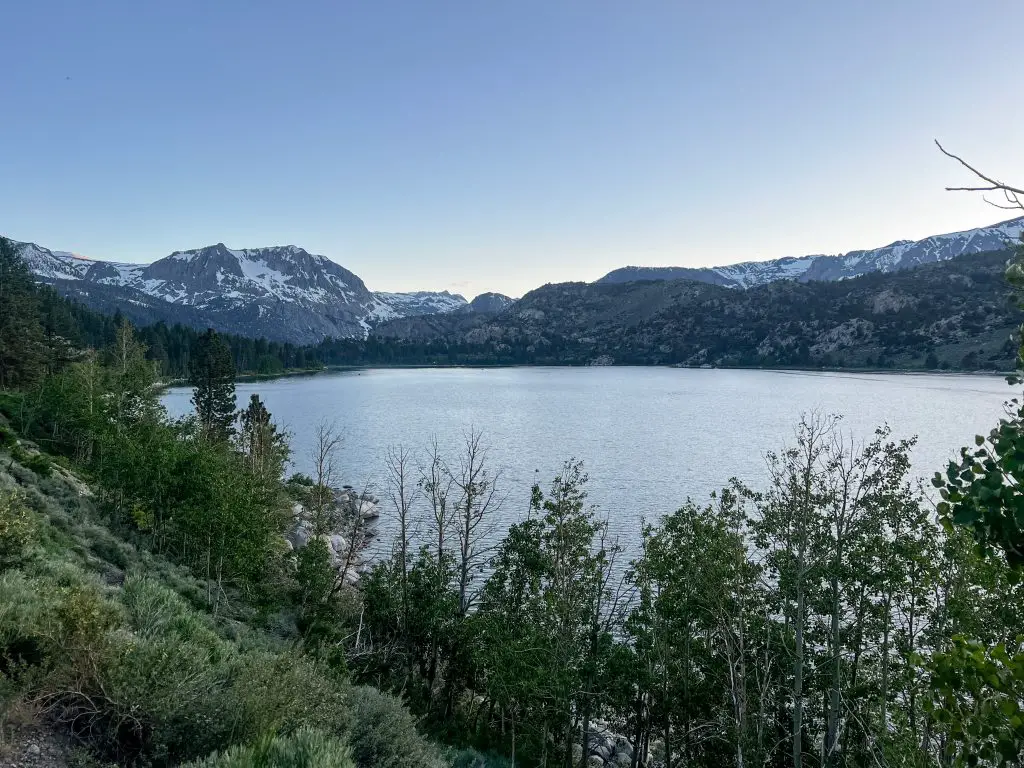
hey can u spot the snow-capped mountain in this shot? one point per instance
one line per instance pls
(418, 303)
(903, 254)
(283, 293)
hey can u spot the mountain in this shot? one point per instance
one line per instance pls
(281, 293)
(903, 254)
(489, 302)
(957, 314)
(420, 303)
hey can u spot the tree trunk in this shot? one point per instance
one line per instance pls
(798, 672)
(832, 728)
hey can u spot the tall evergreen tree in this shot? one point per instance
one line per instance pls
(22, 351)
(265, 449)
(212, 373)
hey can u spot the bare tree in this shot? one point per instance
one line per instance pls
(352, 522)
(1013, 196)
(324, 457)
(436, 482)
(398, 465)
(474, 511)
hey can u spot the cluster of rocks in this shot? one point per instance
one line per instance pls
(351, 530)
(36, 748)
(606, 750)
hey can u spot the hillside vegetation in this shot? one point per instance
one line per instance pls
(956, 315)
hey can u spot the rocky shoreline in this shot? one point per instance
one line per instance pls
(350, 533)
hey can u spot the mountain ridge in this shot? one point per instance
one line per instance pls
(278, 292)
(955, 314)
(900, 254)
(285, 293)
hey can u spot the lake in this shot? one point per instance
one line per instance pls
(649, 437)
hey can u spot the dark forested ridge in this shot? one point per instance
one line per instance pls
(957, 314)
(952, 315)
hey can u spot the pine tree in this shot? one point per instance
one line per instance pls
(22, 351)
(265, 449)
(212, 373)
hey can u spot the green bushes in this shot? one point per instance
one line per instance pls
(306, 748)
(16, 527)
(383, 734)
(271, 693)
(471, 758)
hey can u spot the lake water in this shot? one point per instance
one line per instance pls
(649, 437)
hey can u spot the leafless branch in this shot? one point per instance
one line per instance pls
(1013, 195)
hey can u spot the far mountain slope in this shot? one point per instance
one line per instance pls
(490, 302)
(956, 314)
(903, 254)
(282, 293)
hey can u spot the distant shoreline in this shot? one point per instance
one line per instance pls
(255, 377)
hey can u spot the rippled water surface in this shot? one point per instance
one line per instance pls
(649, 437)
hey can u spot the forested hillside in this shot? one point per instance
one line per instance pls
(957, 315)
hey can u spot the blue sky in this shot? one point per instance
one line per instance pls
(500, 145)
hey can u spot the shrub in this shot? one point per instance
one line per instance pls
(25, 616)
(154, 610)
(306, 748)
(471, 758)
(383, 734)
(16, 528)
(152, 700)
(274, 693)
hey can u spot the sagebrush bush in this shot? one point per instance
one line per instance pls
(382, 733)
(307, 748)
(471, 758)
(153, 609)
(26, 619)
(16, 528)
(149, 699)
(274, 693)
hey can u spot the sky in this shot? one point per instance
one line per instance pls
(497, 146)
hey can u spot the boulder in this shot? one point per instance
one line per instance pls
(622, 746)
(602, 750)
(577, 754)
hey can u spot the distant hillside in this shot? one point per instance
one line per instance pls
(955, 314)
(903, 254)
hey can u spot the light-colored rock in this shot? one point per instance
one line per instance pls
(577, 754)
(602, 750)
(622, 746)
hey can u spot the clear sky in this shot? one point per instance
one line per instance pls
(482, 145)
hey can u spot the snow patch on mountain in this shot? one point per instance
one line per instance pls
(395, 305)
(902, 254)
(280, 292)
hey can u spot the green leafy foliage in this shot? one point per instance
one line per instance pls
(383, 733)
(982, 491)
(978, 691)
(306, 748)
(212, 373)
(16, 528)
